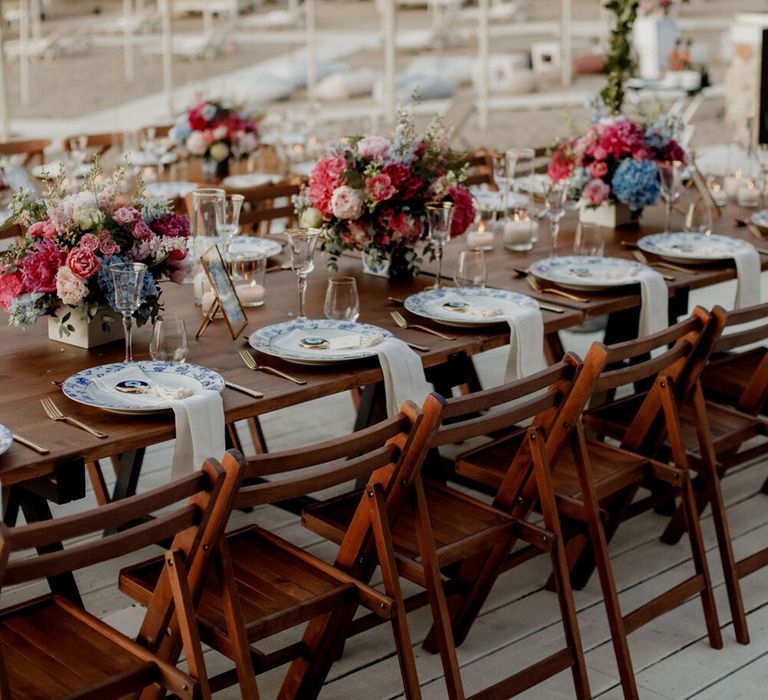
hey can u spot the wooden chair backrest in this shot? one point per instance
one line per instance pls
(259, 208)
(33, 149)
(479, 168)
(101, 142)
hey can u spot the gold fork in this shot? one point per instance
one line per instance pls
(536, 287)
(400, 321)
(251, 363)
(640, 257)
(54, 413)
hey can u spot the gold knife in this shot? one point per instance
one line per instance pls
(31, 445)
(244, 390)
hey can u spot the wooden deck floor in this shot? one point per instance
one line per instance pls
(520, 621)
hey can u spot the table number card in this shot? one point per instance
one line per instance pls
(225, 296)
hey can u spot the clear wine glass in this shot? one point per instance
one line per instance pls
(501, 176)
(556, 195)
(128, 278)
(342, 301)
(301, 244)
(228, 220)
(671, 174)
(169, 340)
(439, 218)
(519, 165)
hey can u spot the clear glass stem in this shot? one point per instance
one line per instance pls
(505, 197)
(128, 328)
(669, 215)
(302, 293)
(554, 230)
(439, 280)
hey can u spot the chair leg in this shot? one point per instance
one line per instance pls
(676, 526)
(98, 483)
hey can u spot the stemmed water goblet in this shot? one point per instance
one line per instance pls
(228, 221)
(671, 175)
(556, 196)
(501, 176)
(439, 218)
(301, 244)
(128, 279)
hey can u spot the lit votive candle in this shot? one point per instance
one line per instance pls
(719, 195)
(519, 233)
(749, 194)
(250, 294)
(732, 184)
(207, 300)
(480, 238)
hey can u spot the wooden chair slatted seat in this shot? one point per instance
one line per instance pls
(475, 538)
(596, 482)
(32, 149)
(271, 585)
(50, 647)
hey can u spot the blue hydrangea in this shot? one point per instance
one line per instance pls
(595, 108)
(107, 285)
(662, 131)
(24, 310)
(182, 129)
(636, 183)
(209, 112)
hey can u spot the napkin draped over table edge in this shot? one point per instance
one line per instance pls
(747, 261)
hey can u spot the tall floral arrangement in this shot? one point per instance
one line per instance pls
(616, 160)
(647, 7)
(70, 242)
(369, 193)
(216, 131)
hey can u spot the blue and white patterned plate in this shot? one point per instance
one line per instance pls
(444, 305)
(488, 199)
(691, 247)
(243, 245)
(6, 439)
(169, 190)
(246, 180)
(284, 340)
(587, 273)
(760, 218)
(82, 388)
(143, 158)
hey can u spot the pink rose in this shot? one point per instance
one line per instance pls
(70, 287)
(196, 143)
(600, 153)
(326, 176)
(89, 242)
(106, 245)
(380, 188)
(37, 229)
(598, 169)
(82, 262)
(180, 269)
(125, 216)
(40, 266)
(141, 230)
(373, 147)
(463, 211)
(347, 202)
(11, 285)
(596, 192)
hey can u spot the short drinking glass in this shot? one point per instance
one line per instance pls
(342, 302)
(169, 340)
(228, 221)
(589, 240)
(470, 270)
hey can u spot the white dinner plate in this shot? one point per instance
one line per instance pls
(6, 439)
(82, 388)
(243, 245)
(586, 273)
(294, 340)
(488, 199)
(468, 306)
(695, 248)
(169, 190)
(142, 158)
(243, 182)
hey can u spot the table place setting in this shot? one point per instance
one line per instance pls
(482, 306)
(169, 190)
(331, 341)
(148, 387)
(596, 274)
(701, 249)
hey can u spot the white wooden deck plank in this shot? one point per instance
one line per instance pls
(746, 683)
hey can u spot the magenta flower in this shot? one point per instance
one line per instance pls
(40, 266)
(173, 225)
(11, 285)
(380, 187)
(141, 230)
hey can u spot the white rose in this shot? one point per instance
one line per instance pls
(70, 288)
(347, 202)
(89, 219)
(311, 218)
(220, 132)
(219, 151)
(196, 143)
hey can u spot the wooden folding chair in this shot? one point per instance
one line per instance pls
(52, 648)
(101, 143)
(32, 149)
(595, 482)
(480, 168)
(270, 585)
(267, 203)
(474, 540)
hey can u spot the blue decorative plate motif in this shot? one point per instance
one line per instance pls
(760, 218)
(80, 387)
(6, 439)
(442, 305)
(301, 341)
(691, 247)
(584, 272)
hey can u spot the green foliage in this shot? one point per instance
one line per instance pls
(619, 64)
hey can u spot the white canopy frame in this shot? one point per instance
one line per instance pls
(167, 32)
(389, 27)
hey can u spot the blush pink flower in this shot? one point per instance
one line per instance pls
(70, 287)
(347, 202)
(600, 153)
(598, 169)
(106, 245)
(125, 216)
(596, 192)
(82, 262)
(380, 187)
(89, 242)
(11, 285)
(180, 269)
(43, 229)
(197, 144)
(141, 230)
(326, 176)
(40, 266)
(373, 147)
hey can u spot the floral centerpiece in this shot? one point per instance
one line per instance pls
(216, 133)
(370, 194)
(647, 7)
(70, 242)
(616, 161)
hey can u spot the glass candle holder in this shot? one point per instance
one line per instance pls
(520, 231)
(748, 194)
(482, 234)
(248, 276)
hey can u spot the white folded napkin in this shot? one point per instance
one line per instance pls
(526, 334)
(199, 417)
(402, 369)
(654, 301)
(747, 261)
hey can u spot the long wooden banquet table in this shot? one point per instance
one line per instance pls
(31, 363)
